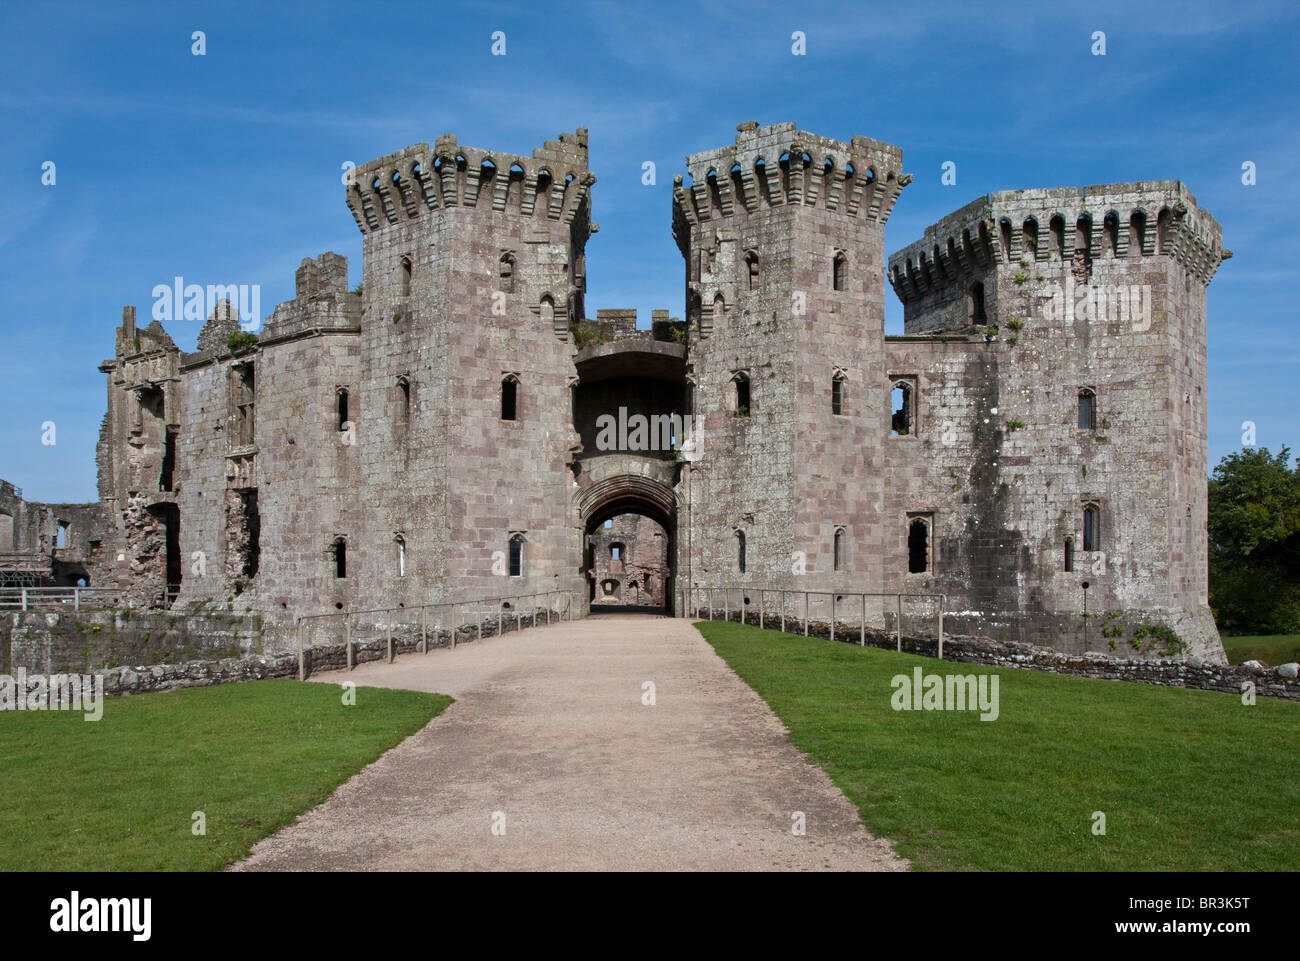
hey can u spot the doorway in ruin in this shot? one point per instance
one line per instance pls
(628, 564)
(631, 407)
(169, 516)
(629, 545)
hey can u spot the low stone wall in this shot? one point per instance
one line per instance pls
(58, 642)
(1187, 672)
(326, 657)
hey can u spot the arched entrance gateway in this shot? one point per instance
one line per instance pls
(629, 407)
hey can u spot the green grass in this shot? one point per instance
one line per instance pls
(1272, 649)
(1188, 780)
(118, 794)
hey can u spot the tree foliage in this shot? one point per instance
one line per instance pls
(1254, 542)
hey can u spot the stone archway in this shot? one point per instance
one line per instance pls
(621, 494)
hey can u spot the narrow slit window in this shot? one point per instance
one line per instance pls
(751, 264)
(918, 547)
(508, 273)
(977, 312)
(510, 399)
(1092, 528)
(902, 403)
(342, 408)
(399, 543)
(340, 559)
(1069, 554)
(1087, 410)
(516, 556)
(838, 554)
(837, 395)
(742, 395)
(403, 402)
(740, 551)
(839, 271)
(405, 277)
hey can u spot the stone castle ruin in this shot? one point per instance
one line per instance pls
(437, 431)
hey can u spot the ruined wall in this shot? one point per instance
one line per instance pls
(265, 489)
(137, 459)
(640, 574)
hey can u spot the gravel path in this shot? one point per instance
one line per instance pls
(549, 736)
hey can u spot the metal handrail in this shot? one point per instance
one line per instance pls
(497, 602)
(21, 597)
(762, 592)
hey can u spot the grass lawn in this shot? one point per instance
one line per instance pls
(1188, 780)
(118, 794)
(1272, 649)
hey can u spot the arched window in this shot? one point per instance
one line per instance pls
(548, 311)
(1087, 409)
(719, 311)
(837, 556)
(1069, 554)
(1137, 228)
(751, 267)
(1004, 226)
(977, 312)
(508, 273)
(1030, 234)
(510, 398)
(61, 535)
(1111, 227)
(839, 270)
(1057, 228)
(741, 389)
(918, 546)
(740, 551)
(837, 394)
(341, 407)
(1091, 528)
(903, 404)
(404, 279)
(403, 402)
(517, 555)
(399, 544)
(340, 552)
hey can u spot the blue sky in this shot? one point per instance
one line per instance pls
(225, 168)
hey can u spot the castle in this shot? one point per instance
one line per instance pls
(436, 432)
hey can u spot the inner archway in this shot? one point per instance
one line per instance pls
(629, 545)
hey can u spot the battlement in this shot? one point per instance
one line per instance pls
(619, 324)
(553, 183)
(780, 165)
(1149, 218)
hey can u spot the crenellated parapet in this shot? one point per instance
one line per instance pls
(782, 166)
(553, 184)
(1146, 219)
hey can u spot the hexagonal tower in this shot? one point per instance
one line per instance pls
(474, 269)
(783, 236)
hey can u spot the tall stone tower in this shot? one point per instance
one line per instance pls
(1073, 448)
(783, 235)
(474, 269)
